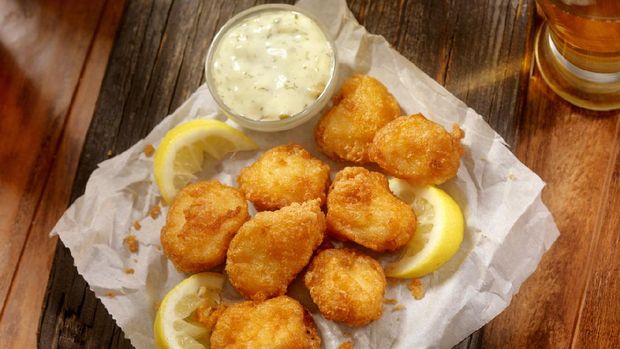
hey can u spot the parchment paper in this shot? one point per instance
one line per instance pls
(508, 228)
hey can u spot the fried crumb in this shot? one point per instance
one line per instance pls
(208, 315)
(156, 305)
(137, 225)
(110, 294)
(131, 242)
(128, 270)
(149, 150)
(347, 345)
(109, 153)
(390, 301)
(155, 211)
(398, 307)
(416, 288)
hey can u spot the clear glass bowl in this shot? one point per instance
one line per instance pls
(271, 125)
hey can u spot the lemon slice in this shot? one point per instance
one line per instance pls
(438, 234)
(184, 150)
(174, 326)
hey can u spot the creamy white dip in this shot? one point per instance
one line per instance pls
(272, 65)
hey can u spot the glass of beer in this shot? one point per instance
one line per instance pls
(578, 51)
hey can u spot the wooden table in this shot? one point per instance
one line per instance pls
(481, 51)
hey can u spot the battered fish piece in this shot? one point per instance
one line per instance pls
(273, 247)
(361, 108)
(418, 150)
(284, 175)
(202, 220)
(278, 323)
(361, 208)
(347, 286)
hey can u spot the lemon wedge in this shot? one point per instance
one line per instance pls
(438, 234)
(175, 327)
(185, 149)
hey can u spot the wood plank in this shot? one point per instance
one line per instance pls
(73, 317)
(158, 60)
(43, 46)
(573, 151)
(599, 316)
(20, 318)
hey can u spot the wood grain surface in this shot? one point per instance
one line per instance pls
(481, 51)
(157, 62)
(52, 58)
(571, 300)
(35, 122)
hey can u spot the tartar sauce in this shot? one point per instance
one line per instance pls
(272, 65)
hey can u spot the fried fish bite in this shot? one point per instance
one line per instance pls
(278, 323)
(418, 150)
(347, 286)
(361, 208)
(202, 220)
(284, 175)
(361, 108)
(273, 247)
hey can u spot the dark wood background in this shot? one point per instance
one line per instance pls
(481, 51)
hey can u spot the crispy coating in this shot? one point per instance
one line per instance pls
(284, 175)
(202, 220)
(278, 323)
(273, 247)
(418, 150)
(361, 108)
(347, 286)
(361, 208)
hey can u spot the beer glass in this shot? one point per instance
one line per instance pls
(578, 51)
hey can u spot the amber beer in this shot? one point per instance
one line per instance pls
(578, 50)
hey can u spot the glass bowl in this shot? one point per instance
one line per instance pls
(292, 121)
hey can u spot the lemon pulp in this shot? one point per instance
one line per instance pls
(175, 326)
(439, 230)
(189, 147)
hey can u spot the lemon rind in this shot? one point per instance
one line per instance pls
(185, 134)
(163, 329)
(448, 219)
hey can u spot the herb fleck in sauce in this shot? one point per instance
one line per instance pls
(272, 65)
